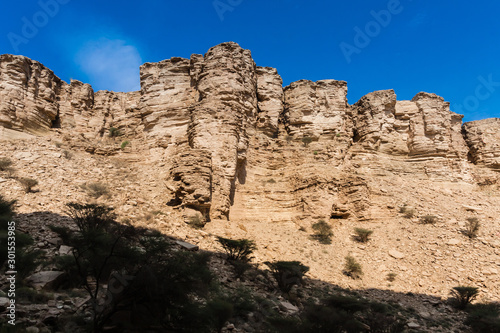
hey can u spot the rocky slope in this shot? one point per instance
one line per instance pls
(218, 138)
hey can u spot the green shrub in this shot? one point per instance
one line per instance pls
(287, 273)
(196, 222)
(27, 260)
(28, 184)
(124, 144)
(472, 227)
(5, 164)
(322, 232)
(6, 212)
(96, 190)
(90, 217)
(114, 132)
(306, 141)
(315, 152)
(363, 235)
(238, 249)
(464, 295)
(26, 295)
(484, 318)
(352, 268)
(220, 312)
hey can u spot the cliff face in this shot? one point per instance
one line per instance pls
(230, 134)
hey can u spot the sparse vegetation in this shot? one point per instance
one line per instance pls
(288, 138)
(407, 212)
(196, 222)
(472, 227)
(315, 152)
(271, 181)
(124, 144)
(464, 295)
(28, 184)
(391, 277)
(67, 154)
(287, 273)
(58, 144)
(171, 288)
(114, 132)
(428, 219)
(363, 235)
(352, 268)
(96, 190)
(306, 141)
(238, 249)
(322, 232)
(5, 164)
(484, 318)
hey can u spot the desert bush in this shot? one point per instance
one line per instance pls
(428, 219)
(322, 232)
(472, 227)
(5, 164)
(114, 132)
(6, 212)
(306, 141)
(96, 190)
(28, 184)
(67, 154)
(391, 277)
(124, 144)
(196, 222)
(27, 260)
(352, 268)
(407, 212)
(26, 295)
(315, 152)
(220, 312)
(339, 314)
(287, 273)
(271, 181)
(238, 249)
(464, 295)
(288, 138)
(484, 318)
(90, 217)
(363, 235)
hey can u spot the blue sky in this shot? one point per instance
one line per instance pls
(451, 48)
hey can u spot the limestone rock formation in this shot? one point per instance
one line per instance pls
(483, 138)
(225, 126)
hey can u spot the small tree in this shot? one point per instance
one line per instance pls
(28, 184)
(238, 249)
(363, 235)
(306, 141)
(472, 227)
(287, 273)
(322, 232)
(352, 268)
(464, 295)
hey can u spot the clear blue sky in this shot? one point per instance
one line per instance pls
(450, 47)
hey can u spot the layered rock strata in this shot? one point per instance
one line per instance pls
(211, 112)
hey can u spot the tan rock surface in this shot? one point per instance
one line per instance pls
(217, 136)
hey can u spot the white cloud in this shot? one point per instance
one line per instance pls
(110, 64)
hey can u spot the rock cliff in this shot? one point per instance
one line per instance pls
(231, 135)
